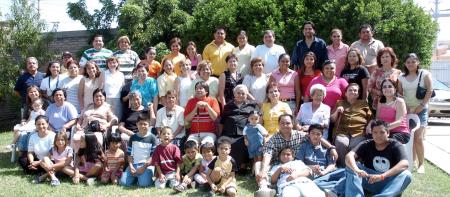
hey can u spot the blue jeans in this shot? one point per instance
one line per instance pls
(144, 180)
(334, 181)
(22, 141)
(391, 186)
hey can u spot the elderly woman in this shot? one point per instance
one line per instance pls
(257, 81)
(204, 71)
(128, 124)
(99, 111)
(351, 118)
(392, 109)
(413, 76)
(355, 72)
(335, 86)
(127, 59)
(288, 82)
(52, 80)
(314, 112)
(61, 115)
(273, 108)
(386, 61)
(39, 144)
(201, 112)
(171, 116)
(233, 120)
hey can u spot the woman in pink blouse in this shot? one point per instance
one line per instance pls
(288, 83)
(337, 51)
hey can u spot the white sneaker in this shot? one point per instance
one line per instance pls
(90, 181)
(421, 169)
(265, 192)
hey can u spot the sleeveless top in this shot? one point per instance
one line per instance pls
(410, 88)
(388, 112)
(89, 87)
(230, 83)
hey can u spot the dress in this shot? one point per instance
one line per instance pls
(30, 124)
(89, 87)
(255, 137)
(230, 83)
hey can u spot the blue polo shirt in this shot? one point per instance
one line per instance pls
(318, 46)
(26, 80)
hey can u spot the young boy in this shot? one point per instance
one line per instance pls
(222, 170)
(189, 166)
(167, 160)
(291, 177)
(114, 161)
(140, 148)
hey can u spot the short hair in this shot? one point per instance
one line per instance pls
(97, 90)
(286, 148)
(166, 128)
(48, 73)
(253, 62)
(284, 55)
(255, 113)
(365, 26)
(316, 126)
(318, 87)
(175, 40)
(207, 146)
(390, 51)
(114, 137)
(97, 74)
(285, 115)
(63, 135)
(191, 144)
(204, 85)
(309, 23)
(383, 123)
(413, 56)
(70, 62)
(32, 58)
(59, 89)
(123, 38)
(223, 141)
(231, 56)
(38, 101)
(143, 116)
(220, 28)
(141, 65)
(203, 64)
(96, 36)
(336, 30)
(171, 92)
(351, 85)
(269, 31)
(241, 87)
(111, 59)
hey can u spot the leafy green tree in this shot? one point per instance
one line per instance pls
(21, 36)
(101, 19)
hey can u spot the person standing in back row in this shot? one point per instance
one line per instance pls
(309, 43)
(217, 50)
(97, 54)
(368, 46)
(269, 52)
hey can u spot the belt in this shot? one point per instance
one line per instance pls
(287, 100)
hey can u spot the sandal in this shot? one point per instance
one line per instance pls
(55, 182)
(180, 187)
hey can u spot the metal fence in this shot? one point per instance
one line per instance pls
(440, 69)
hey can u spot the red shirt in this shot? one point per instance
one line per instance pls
(305, 79)
(202, 122)
(167, 157)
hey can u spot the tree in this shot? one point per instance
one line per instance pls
(21, 35)
(101, 19)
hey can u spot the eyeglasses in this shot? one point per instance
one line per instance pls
(388, 86)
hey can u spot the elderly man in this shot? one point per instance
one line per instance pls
(98, 54)
(269, 52)
(368, 46)
(383, 165)
(30, 77)
(217, 51)
(286, 136)
(309, 43)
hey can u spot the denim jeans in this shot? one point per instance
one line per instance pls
(391, 186)
(144, 180)
(334, 181)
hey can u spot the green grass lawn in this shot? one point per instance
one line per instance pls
(14, 183)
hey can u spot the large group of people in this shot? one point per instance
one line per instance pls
(324, 120)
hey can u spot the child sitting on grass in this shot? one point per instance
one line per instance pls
(291, 177)
(60, 156)
(167, 160)
(207, 150)
(189, 166)
(222, 171)
(114, 160)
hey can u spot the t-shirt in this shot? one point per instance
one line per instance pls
(128, 59)
(165, 83)
(113, 160)
(228, 166)
(113, 83)
(57, 157)
(41, 146)
(141, 147)
(130, 118)
(187, 164)
(49, 84)
(356, 76)
(167, 157)
(58, 116)
(202, 122)
(295, 165)
(171, 120)
(71, 86)
(306, 79)
(97, 56)
(335, 89)
(257, 86)
(269, 56)
(380, 160)
(271, 114)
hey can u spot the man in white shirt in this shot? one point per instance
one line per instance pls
(269, 51)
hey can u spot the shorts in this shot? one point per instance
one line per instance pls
(423, 117)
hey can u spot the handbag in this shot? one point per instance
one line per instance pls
(421, 92)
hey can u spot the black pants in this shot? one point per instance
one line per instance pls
(24, 163)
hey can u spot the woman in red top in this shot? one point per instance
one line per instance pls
(307, 72)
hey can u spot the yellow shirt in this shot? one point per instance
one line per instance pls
(176, 59)
(217, 54)
(271, 114)
(165, 83)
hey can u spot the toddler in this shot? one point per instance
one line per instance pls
(189, 166)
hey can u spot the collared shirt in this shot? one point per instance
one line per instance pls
(369, 51)
(128, 59)
(26, 80)
(217, 54)
(318, 46)
(277, 142)
(354, 118)
(269, 55)
(98, 56)
(338, 55)
(235, 117)
(165, 83)
(286, 83)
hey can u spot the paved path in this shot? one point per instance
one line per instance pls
(437, 143)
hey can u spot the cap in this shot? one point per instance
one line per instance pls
(67, 54)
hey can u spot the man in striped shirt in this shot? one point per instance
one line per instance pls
(98, 54)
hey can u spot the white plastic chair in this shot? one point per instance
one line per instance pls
(414, 124)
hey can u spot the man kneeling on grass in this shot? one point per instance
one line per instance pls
(383, 168)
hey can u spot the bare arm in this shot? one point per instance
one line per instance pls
(81, 94)
(365, 92)
(176, 87)
(122, 129)
(221, 96)
(399, 116)
(298, 94)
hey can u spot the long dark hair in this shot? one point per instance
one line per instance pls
(93, 150)
(394, 83)
(413, 56)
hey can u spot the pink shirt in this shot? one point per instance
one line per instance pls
(335, 90)
(338, 55)
(286, 83)
(388, 113)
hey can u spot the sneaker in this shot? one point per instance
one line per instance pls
(180, 187)
(265, 192)
(329, 193)
(90, 181)
(421, 169)
(10, 146)
(55, 182)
